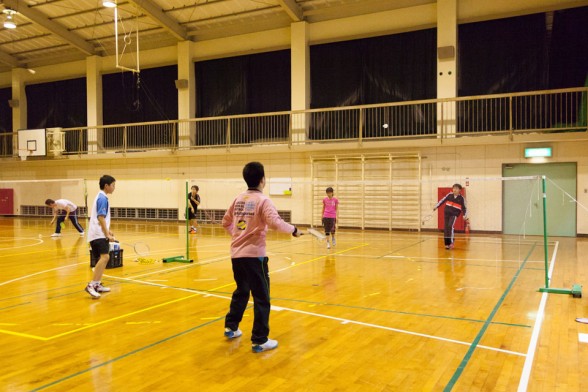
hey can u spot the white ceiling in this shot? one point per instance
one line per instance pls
(57, 31)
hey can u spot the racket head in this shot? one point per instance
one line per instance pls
(427, 218)
(317, 234)
(141, 249)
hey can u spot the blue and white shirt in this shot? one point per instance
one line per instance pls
(99, 208)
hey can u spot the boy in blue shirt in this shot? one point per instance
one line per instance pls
(100, 236)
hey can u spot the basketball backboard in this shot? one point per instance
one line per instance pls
(32, 143)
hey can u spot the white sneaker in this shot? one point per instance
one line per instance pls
(328, 245)
(269, 345)
(91, 290)
(101, 289)
(56, 235)
(229, 333)
(334, 242)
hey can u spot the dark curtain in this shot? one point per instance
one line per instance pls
(502, 56)
(5, 110)
(57, 104)
(393, 68)
(523, 54)
(220, 87)
(568, 52)
(258, 83)
(5, 122)
(336, 77)
(150, 95)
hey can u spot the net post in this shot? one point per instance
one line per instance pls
(86, 201)
(182, 259)
(545, 250)
(576, 290)
(187, 224)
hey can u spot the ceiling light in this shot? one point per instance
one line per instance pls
(109, 4)
(9, 21)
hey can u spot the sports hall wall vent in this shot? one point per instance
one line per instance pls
(45, 211)
(203, 216)
(144, 213)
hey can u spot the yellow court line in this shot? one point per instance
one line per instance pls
(23, 335)
(37, 251)
(298, 264)
(123, 316)
(162, 304)
(98, 323)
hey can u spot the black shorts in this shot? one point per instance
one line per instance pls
(192, 215)
(329, 225)
(99, 247)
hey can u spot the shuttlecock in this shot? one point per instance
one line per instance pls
(385, 126)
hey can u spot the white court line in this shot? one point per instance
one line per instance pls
(416, 258)
(526, 374)
(343, 321)
(583, 337)
(41, 272)
(347, 321)
(39, 241)
(178, 267)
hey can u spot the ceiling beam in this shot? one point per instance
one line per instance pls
(168, 23)
(42, 20)
(292, 9)
(9, 60)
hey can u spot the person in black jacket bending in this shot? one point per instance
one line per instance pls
(454, 205)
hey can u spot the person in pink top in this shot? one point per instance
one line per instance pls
(247, 220)
(329, 215)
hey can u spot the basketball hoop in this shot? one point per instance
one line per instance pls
(25, 153)
(126, 43)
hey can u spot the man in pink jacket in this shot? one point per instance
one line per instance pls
(247, 220)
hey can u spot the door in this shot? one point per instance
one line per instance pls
(523, 205)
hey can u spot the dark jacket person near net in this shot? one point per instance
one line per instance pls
(455, 204)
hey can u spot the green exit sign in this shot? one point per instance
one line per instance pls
(538, 152)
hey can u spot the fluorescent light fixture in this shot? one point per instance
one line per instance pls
(538, 152)
(9, 21)
(109, 4)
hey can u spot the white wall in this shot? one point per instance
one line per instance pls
(159, 181)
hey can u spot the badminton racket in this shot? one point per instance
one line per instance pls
(140, 248)
(317, 234)
(427, 218)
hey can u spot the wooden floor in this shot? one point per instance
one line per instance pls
(380, 312)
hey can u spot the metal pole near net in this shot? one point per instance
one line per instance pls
(182, 259)
(576, 290)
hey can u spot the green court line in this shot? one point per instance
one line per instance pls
(400, 312)
(16, 305)
(136, 351)
(404, 247)
(487, 323)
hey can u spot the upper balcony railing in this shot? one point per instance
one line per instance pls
(500, 114)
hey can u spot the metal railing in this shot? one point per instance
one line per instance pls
(561, 110)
